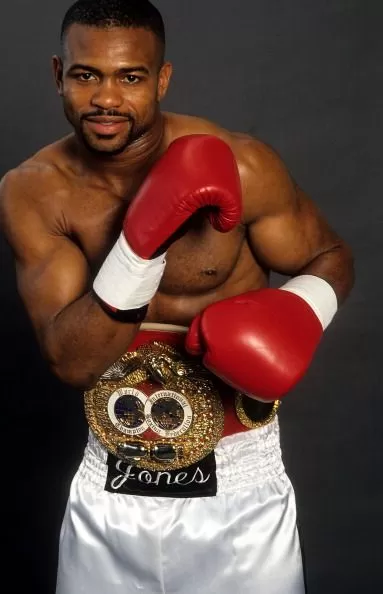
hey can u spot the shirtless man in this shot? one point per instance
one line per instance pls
(140, 218)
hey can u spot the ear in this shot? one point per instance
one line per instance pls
(58, 73)
(164, 80)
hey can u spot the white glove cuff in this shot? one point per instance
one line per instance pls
(318, 293)
(126, 281)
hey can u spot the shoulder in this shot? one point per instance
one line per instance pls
(32, 187)
(25, 188)
(37, 176)
(267, 185)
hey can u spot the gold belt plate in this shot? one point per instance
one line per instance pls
(156, 409)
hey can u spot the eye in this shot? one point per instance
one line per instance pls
(131, 79)
(85, 76)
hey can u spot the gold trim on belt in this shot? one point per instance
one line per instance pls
(160, 410)
(169, 428)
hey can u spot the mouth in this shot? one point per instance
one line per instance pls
(106, 126)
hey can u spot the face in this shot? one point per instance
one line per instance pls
(111, 83)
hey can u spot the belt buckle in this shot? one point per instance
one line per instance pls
(156, 408)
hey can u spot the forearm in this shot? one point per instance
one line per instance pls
(82, 341)
(336, 266)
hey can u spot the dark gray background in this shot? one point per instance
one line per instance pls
(304, 76)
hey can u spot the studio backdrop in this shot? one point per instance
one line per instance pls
(305, 77)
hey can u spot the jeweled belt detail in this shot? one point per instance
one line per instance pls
(156, 408)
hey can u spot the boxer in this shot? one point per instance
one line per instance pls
(143, 244)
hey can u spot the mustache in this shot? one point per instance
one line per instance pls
(110, 113)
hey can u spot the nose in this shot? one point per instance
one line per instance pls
(107, 96)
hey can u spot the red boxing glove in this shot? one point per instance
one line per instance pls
(262, 342)
(197, 171)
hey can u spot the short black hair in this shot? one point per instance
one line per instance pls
(106, 14)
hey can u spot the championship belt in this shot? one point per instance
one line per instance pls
(156, 408)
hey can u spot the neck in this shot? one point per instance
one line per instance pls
(135, 159)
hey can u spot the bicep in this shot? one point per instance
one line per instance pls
(51, 271)
(288, 238)
(49, 283)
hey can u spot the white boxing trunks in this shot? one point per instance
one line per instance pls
(225, 524)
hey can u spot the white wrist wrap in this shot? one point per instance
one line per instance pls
(126, 281)
(318, 293)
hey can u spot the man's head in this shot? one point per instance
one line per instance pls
(112, 74)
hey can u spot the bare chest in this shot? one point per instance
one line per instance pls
(198, 261)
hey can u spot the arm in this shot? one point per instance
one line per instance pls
(75, 332)
(286, 231)
(270, 335)
(76, 336)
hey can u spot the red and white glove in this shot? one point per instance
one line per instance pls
(262, 342)
(197, 171)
